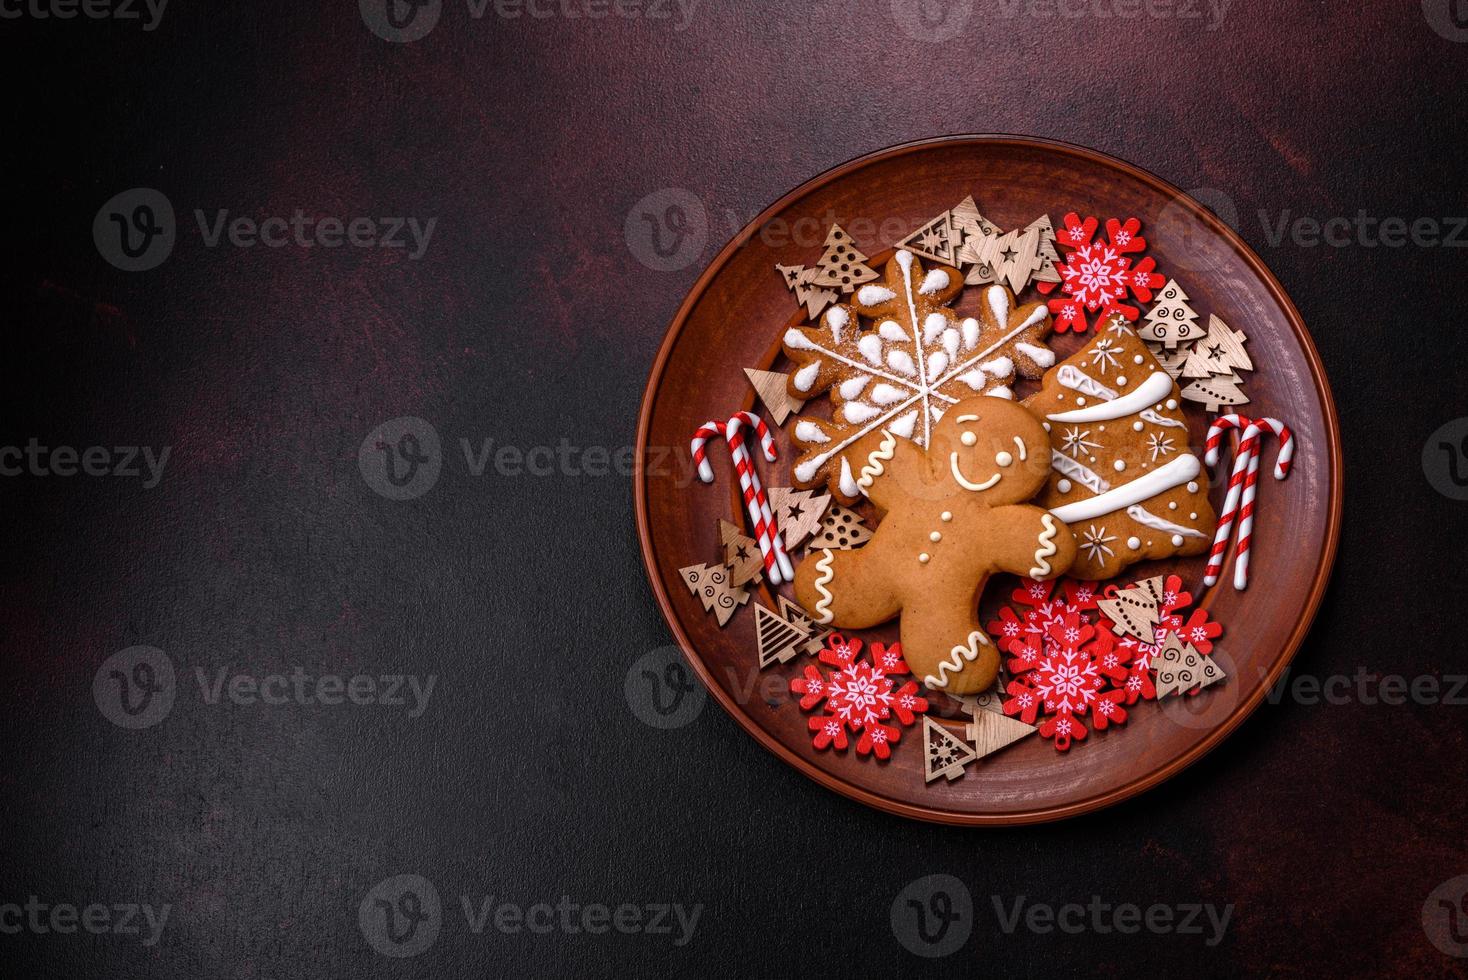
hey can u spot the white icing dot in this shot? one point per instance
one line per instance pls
(1172, 505)
(923, 557)
(1134, 543)
(1119, 465)
(1177, 540)
(935, 536)
(1004, 459)
(1092, 458)
(1193, 487)
(1172, 403)
(946, 515)
(1137, 426)
(1063, 486)
(968, 438)
(1137, 359)
(1192, 517)
(1080, 399)
(1121, 381)
(1102, 428)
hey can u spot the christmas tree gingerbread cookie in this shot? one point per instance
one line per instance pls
(1124, 477)
(954, 515)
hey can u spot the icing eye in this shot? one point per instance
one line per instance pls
(1004, 459)
(968, 438)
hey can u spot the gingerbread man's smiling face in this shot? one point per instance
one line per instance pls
(993, 447)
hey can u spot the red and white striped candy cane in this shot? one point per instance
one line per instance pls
(1286, 445)
(705, 432)
(1215, 434)
(1246, 517)
(1248, 446)
(777, 561)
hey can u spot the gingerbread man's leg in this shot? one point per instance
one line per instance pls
(846, 589)
(946, 647)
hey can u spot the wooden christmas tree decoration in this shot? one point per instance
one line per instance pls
(714, 590)
(1134, 612)
(991, 729)
(1172, 361)
(841, 529)
(1224, 348)
(814, 298)
(944, 753)
(792, 274)
(772, 391)
(1217, 391)
(1181, 668)
(1049, 257)
(791, 612)
(797, 512)
(741, 555)
(975, 237)
(1196, 363)
(1171, 321)
(841, 265)
(1015, 258)
(935, 240)
(778, 640)
(801, 281)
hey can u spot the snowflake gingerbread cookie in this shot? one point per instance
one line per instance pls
(1123, 475)
(914, 363)
(955, 513)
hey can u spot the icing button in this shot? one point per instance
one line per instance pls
(1134, 543)
(923, 557)
(1119, 465)
(1177, 540)
(947, 515)
(935, 536)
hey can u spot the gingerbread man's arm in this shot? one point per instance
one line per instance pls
(1037, 544)
(888, 468)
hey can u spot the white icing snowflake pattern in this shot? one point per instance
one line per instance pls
(1094, 543)
(1160, 445)
(1077, 442)
(1117, 325)
(1105, 355)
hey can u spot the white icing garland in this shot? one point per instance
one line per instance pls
(1146, 518)
(1079, 472)
(1078, 380)
(1148, 393)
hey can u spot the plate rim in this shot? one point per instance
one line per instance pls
(1133, 787)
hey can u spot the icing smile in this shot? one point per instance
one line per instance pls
(969, 484)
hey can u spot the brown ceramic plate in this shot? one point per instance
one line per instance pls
(733, 319)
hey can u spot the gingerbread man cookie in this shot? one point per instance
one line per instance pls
(915, 361)
(954, 516)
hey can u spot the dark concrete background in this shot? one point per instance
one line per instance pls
(530, 319)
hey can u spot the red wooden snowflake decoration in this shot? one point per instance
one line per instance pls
(1098, 273)
(1021, 634)
(859, 697)
(1071, 677)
